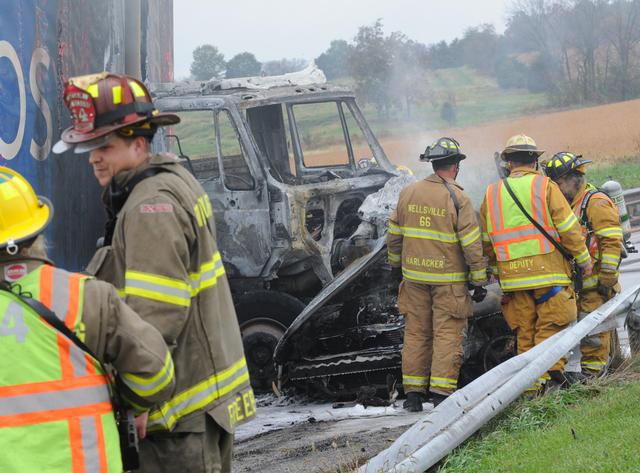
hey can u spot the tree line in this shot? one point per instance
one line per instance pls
(576, 51)
(209, 63)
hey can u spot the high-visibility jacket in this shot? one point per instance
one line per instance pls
(165, 262)
(434, 243)
(520, 254)
(600, 223)
(55, 410)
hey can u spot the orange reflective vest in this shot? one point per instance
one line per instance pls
(55, 409)
(513, 236)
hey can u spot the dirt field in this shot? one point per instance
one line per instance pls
(601, 133)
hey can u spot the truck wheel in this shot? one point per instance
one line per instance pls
(264, 316)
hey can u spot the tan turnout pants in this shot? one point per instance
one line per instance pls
(595, 349)
(535, 323)
(435, 319)
(194, 452)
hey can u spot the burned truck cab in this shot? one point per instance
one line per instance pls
(286, 168)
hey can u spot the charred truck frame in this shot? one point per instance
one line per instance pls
(300, 189)
(284, 213)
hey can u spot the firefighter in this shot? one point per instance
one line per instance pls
(534, 275)
(600, 222)
(434, 237)
(56, 413)
(160, 252)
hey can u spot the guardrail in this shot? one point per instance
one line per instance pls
(632, 201)
(465, 411)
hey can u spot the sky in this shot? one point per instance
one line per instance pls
(275, 29)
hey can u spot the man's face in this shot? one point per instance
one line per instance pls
(568, 186)
(116, 156)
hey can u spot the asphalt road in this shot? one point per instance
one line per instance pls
(630, 267)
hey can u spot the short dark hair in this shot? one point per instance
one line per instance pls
(130, 139)
(521, 157)
(444, 164)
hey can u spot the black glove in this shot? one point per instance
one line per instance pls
(479, 293)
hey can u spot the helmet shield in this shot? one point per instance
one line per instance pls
(83, 110)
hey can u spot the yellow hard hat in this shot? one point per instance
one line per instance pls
(23, 214)
(521, 144)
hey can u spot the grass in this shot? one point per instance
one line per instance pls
(625, 170)
(588, 428)
(477, 99)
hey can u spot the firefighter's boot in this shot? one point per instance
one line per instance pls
(413, 402)
(436, 398)
(562, 380)
(575, 377)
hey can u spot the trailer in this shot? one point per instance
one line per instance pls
(44, 42)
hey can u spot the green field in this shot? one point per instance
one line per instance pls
(477, 98)
(626, 171)
(592, 428)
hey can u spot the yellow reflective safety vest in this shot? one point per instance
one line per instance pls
(165, 262)
(524, 258)
(55, 410)
(512, 234)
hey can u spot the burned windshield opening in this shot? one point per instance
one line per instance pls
(303, 142)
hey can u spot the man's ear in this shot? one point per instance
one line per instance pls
(140, 144)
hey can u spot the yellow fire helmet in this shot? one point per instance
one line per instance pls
(23, 214)
(519, 147)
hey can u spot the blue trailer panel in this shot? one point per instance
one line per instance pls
(43, 42)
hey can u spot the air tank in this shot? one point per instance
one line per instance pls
(614, 190)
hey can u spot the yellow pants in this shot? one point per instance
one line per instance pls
(535, 323)
(595, 349)
(435, 319)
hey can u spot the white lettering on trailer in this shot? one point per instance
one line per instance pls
(8, 150)
(40, 57)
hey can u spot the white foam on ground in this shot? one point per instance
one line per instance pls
(279, 415)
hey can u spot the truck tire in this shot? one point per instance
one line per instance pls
(263, 317)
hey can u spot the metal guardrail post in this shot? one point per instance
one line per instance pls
(632, 201)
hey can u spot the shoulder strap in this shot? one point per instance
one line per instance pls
(119, 195)
(558, 246)
(53, 320)
(454, 197)
(585, 203)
